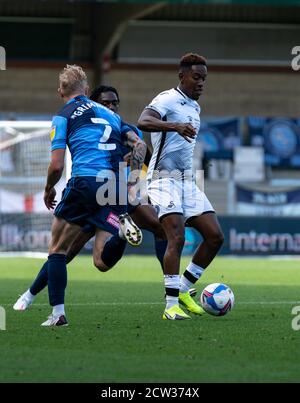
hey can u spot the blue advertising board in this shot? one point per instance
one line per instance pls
(219, 137)
(280, 138)
(263, 236)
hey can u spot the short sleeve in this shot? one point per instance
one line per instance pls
(58, 134)
(161, 104)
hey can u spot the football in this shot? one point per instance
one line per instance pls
(217, 299)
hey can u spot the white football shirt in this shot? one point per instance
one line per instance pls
(170, 150)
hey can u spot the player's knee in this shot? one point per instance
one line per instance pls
(102, 267)
(176, 243)
(216, 239)
(158, 231)
(98, 263)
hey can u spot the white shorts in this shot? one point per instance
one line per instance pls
(171, 196)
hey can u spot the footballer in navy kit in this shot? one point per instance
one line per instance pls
(94, 136)
(143, 215)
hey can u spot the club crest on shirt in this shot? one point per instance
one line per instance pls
(171, 205)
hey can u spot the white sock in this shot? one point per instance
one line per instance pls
(30, 297)
(172, 281)
(58, 310)
(193, 273)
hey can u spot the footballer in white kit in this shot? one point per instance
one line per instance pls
(173, 120)
(171, 184)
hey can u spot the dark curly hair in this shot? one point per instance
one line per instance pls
(190, 59)
(102, 88)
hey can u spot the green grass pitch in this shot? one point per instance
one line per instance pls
(116, 333)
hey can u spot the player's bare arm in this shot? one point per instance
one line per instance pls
(55, 171)
(149, 151)
(138, 153)
(150, 121)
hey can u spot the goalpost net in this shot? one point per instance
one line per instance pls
(25, 222)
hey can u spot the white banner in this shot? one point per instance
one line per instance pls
(14, 202)
(271, 203)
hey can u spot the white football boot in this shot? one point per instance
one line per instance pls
(22, 303)
(129, 230)
(59, 320)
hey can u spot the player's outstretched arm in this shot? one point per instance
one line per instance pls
(150, 121)
(55, 171)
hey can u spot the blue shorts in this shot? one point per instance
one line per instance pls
(79, 206)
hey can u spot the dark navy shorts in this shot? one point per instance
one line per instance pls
(79, 206)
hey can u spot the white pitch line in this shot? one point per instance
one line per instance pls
(162, 303)
(268, 302)
(99, 303)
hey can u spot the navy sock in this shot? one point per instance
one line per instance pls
(160, 249)
(57, 278)
(113, 250)
(41, 280)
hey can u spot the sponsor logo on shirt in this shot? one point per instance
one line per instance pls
(113, 220)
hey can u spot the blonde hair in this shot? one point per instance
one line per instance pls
(72, 80)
